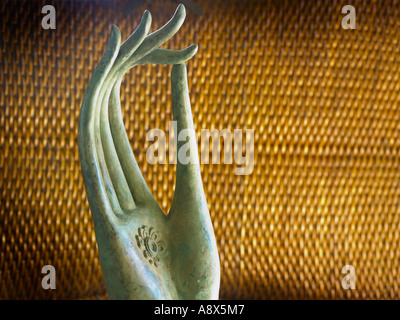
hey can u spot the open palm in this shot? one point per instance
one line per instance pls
(144, 254)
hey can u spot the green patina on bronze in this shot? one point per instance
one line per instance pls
(144, 253)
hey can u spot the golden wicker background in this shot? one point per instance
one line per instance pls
(324, 103)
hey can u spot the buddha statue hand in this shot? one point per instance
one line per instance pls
(145, 254)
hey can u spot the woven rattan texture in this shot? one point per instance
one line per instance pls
(325, 106)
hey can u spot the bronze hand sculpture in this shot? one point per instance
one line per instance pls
(144, 253)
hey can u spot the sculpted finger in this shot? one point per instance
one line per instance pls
(92, 169)
(129, 46)
(120, 189)
(171, 57)
(159, 37)
(137, 185)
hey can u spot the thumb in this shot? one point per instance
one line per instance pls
(189, 187)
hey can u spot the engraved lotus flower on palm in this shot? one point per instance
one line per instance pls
(152, 247)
